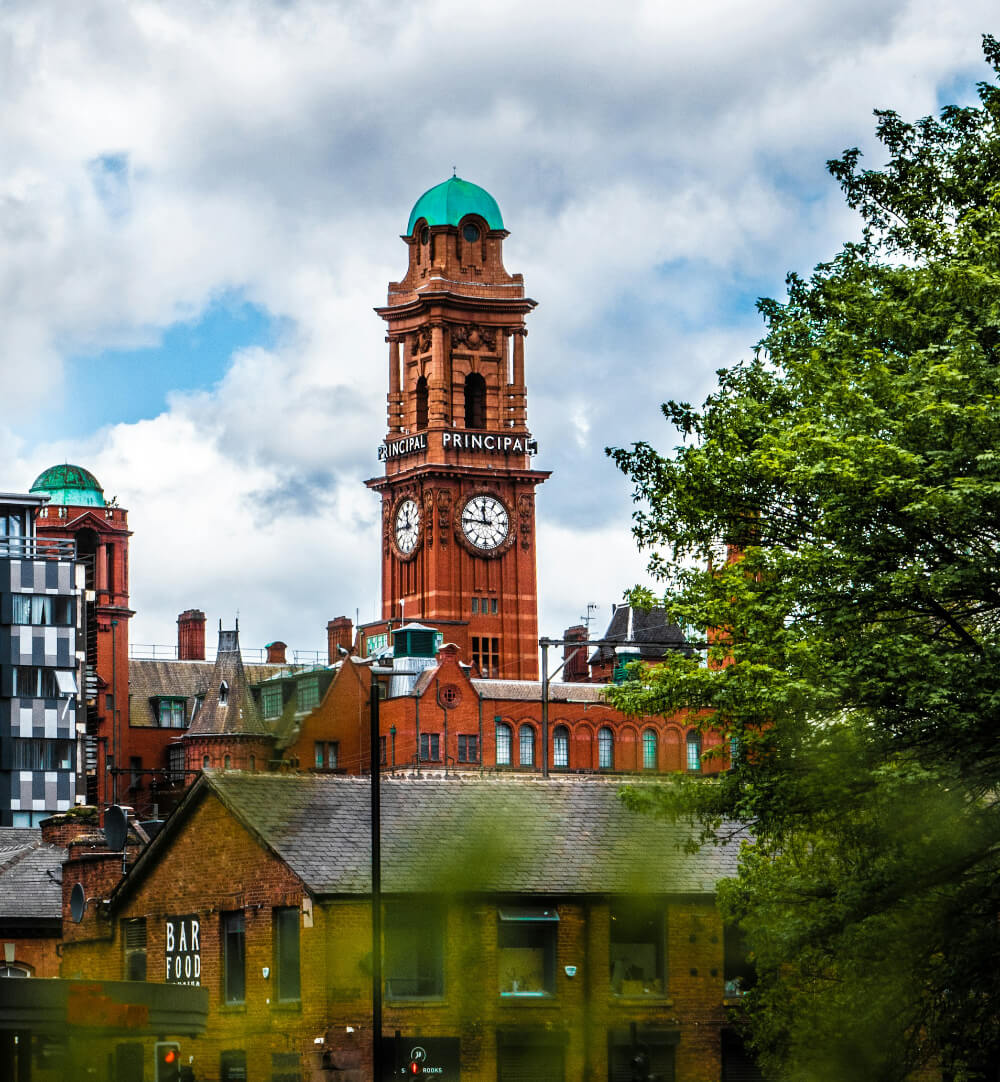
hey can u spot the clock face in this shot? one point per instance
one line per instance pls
(406, 528)
(485, 523)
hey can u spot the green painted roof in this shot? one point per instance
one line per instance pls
(71, 485)
(450, 202)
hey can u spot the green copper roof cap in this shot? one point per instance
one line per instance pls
(71, 485)
(448, 204)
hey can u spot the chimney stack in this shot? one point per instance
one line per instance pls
(276, 652)
(191, 635)
(575, 669)
(339, 632)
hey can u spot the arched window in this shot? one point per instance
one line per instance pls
(13, 970)
(527, 745)
(560, 746)
(605, 748)
(227, 762)
(204, 762)
(475, 401)
(422, 402)
(649, 749)
(503, 744)
(253, 763)
(223, 693)
(694, 751)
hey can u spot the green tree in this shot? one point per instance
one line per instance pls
(853, 462)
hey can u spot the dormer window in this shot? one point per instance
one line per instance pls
(223, 694)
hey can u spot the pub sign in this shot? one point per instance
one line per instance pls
(182, 947)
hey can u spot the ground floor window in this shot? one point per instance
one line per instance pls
(637, 950)
(430, 747)
(468, 749)
(642, 1052)
(414, 951)
(526, 941)
(531, 1055)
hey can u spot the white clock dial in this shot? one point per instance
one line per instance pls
(485, 522)
(407, 526)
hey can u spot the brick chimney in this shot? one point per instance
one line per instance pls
(276, 652)
(62, 829)
(191, 635)
(339, 632)
(575, 669)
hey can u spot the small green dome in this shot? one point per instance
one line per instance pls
(448, 204)
(72, 485)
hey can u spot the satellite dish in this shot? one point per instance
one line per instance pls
(77, 903)
(115, 828)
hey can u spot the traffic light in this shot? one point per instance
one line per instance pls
(415, 1068)
(168, 1061)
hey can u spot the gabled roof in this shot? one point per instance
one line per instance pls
(30, 877)
(496, 835)
(151, 679)
(649, 628)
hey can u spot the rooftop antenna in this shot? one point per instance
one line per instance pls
(592, 607)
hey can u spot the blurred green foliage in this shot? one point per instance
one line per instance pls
(854, 463)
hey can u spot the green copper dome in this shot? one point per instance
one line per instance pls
(448, 204)
(72, 485)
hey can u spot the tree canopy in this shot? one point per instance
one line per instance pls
(832, 517)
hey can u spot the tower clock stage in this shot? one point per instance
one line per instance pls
(458, 492)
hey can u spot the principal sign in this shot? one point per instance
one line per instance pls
(496, 443)
(182, 946)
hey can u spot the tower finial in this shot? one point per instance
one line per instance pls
(454, 170)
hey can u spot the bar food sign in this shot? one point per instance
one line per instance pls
(182, 947)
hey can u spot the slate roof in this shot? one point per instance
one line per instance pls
(531, 691)
(565, 836)
(647, 627)
(176, 679)
(30, 877)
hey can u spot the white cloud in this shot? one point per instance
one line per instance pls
(652, 161)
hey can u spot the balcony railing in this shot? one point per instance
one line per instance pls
(252, 655)
(37, 548)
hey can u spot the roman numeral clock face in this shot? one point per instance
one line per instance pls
(406, 526)
(485, 524)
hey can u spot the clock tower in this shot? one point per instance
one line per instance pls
(458, 493)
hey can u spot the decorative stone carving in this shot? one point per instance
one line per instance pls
(423, 340)
(444, 513)
(472, 336)
(524, 514)
(429, 517)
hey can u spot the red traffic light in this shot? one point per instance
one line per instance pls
(170, 1056)
(415, 1067)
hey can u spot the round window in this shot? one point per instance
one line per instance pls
(470, 232)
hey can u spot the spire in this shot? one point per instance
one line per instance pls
(229, 708)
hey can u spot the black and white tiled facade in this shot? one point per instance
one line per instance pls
(41, 600)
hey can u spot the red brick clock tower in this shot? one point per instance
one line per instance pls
(458, 494)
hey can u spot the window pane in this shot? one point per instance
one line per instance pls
(527, 957)
(234, 955)
(332, 754)
(636, 951)
(286, 953)
(560, 747)
(694, 751)
(307, 694)
(503, 744)
(320, 754)
(414, 951)
(527, 745)
(605, 749)
(649, 750)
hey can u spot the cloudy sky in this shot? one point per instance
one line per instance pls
(201, 202)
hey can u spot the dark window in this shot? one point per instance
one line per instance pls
(414, 951)
(271, 701)
(738, 971)
(135, 771)
(636, 950)
(34, 753)
(486, 655)
(468, 749)
(493, 605)
(233, 1066)
(307, 694)
(526, 942)
(738, 1064)
(34, 683)
(528, 1055)
(650, 1046)
(475, 401)
(430, 748)
(560, 746)
(223, 694)
(43, 610)
(475, 605)
(327, 754)
(134, 943)
(470, 232)
(286, 954)
(175, 762)
(233, 958)
(421, 402)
